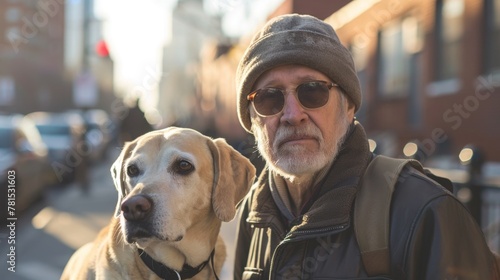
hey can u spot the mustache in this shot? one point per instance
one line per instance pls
(287, 133)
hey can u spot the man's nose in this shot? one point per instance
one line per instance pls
(293, 112)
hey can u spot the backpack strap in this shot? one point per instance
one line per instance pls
(372, 211)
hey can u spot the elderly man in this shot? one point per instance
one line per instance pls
(298, 93)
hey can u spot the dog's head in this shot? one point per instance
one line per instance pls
(172, 179)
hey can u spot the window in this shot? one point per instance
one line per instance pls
(449, 33)
(12, 15)
(7, 91)
(397, 42)
(492, 37)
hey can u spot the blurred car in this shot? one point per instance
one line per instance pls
(63, 135)
(22, 152)
(99, 132)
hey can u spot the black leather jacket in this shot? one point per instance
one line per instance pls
(432, 235)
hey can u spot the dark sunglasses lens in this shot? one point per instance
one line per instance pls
(313, 95)
(269, 101)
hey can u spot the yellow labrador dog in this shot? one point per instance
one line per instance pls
(175, 186)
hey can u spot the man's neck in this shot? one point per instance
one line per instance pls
(300, 191)
(302, 188)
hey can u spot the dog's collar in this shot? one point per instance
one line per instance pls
(165, 272)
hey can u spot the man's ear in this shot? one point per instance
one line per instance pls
(118, 176)
(234, 174)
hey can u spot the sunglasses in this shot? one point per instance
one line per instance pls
(271, 101)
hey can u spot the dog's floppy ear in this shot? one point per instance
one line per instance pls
(118, 176)
(233, 177)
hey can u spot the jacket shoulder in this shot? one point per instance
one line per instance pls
(415, 188)
(414, 193)
(425, 217)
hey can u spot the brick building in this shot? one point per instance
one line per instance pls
(429, 70)
(31, 54)
(45, 47)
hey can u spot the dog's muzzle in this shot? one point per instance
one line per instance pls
(137, 211)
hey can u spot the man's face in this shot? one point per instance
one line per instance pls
(300, 141)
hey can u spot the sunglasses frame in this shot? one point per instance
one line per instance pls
(251, 96)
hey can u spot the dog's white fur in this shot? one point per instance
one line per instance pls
(187, 208)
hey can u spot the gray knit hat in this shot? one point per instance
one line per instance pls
(295, 39)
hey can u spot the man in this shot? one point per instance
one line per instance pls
(298, 93)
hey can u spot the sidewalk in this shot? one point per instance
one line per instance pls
(48, 236)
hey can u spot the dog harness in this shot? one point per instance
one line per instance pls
(167, 273)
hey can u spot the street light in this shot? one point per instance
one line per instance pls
(465, 155)
(473, 159)
(410, 150)
(413, 151)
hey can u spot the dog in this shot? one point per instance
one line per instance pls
(175, 187)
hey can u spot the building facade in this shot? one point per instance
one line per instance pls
(430, 72)
(45, 46)
(31, 53)
(192, 28)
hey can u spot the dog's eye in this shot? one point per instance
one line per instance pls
(184, 167)
(133, 170)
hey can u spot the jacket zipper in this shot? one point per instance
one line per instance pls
(292, 237)
(295, 235)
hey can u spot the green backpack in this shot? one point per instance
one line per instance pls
(372, 210)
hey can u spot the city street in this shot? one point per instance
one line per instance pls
(49, 232)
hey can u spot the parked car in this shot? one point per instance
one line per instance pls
(99, 132)
(63, 134)
(23, 156)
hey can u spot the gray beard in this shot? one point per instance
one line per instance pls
(295, 161)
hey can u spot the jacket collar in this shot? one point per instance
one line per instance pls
(338, 189)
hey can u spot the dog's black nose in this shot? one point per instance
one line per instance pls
(136, 208)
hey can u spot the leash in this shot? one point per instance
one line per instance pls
(166, 272)
(213, 266)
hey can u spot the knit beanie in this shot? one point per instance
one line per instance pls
(295, 39)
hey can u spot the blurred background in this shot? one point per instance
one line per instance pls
(80, 77)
